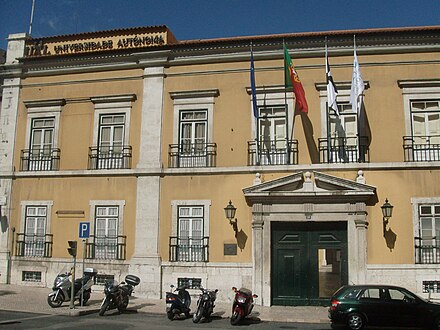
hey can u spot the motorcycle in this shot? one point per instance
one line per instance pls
(205, 304)
(116, 295)
(242, 305)
(62, 288)
(178, 303)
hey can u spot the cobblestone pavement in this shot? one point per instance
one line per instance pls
(34, 299)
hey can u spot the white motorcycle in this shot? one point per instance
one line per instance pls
(62, 288)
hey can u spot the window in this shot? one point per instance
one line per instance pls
(193, 128)
(111, 141)
(35, 230)
(193, 144)
(272, 135)
(111, 149)
(190, 230)
(421, 99)
(190, 233)
(343, 135)
(41, 153)
(31, 276)
(426, 224)
(271, 141)
(425, 117)
(106, 232)
(345, 138)
(107, 241)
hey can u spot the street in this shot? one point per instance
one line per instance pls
(135, 320)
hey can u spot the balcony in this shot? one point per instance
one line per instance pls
(427, 250)
(189, 249)
(421, 148)
(109, 158)
(192, 155)
(34, 245)
(344, 150)
(272, 152)
(106, 247)
(46, 159)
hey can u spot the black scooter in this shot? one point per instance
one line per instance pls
(205, 304)
(178, 303)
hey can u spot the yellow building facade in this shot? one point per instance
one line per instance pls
(134, 144)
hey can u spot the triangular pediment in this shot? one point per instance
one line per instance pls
(310, 187)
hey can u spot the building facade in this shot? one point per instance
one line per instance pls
(148, 139)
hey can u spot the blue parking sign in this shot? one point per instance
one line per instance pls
(84, 229)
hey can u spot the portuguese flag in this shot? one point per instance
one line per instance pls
(291, 79)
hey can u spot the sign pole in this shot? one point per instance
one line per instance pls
(72, 288)
(82, 278)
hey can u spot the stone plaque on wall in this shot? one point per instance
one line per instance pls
(230, 249)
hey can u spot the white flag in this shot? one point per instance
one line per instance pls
(331, 87)
(357, 84)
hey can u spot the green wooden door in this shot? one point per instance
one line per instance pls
(309, 262)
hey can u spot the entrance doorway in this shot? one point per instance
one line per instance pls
(309, 261)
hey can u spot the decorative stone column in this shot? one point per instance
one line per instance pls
(8, 123)
(357, 246)
(146, 260)
(257, 249)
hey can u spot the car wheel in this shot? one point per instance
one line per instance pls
(437, 323)
(355, 321)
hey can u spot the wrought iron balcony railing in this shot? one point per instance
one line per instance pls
(45, 159)
(106, 247)
(108, 158)
(273, 152)
(189, 249)
(192, 155)
(34, 245)
(344, 150)
(421, 148)
(427, 250)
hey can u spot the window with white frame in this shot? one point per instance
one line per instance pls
(271, 142)
(108, 241)
(422, 119)
(426, 213)
(42, 153)
(345, 137)
(34, 239)
(190, 231)
(193, 144)
(111, 148)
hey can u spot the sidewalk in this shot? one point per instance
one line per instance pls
(34, 299)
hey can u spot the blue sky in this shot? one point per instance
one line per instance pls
(201, 19)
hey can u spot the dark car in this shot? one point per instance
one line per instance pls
(356, 306)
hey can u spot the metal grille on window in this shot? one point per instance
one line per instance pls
(190, 236)
(35, 230)
(427, 245)
(106, 231)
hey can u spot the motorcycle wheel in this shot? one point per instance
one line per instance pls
(170, 315)
(123, 304)
(55, 301)
(198, 314)
(104, 307)
(235, 318)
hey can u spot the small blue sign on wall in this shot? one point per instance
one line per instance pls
(84, 229)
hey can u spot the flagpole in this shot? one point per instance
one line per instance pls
(32, 17)
(327, 106)
(255, 108)
(286, 109)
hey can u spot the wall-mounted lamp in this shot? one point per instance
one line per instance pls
(230, 215)
(387, 212)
